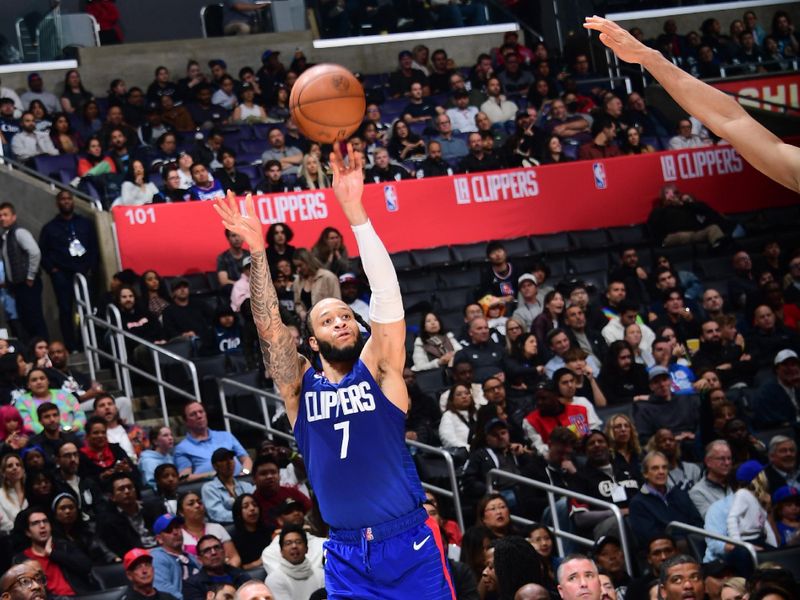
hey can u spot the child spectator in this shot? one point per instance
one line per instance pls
(786, 515)
(747, 518)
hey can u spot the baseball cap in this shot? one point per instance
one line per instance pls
(222, 454)
(403, 54)
(785, 493)
(217, 62)
(784, 355)
(657, 372)
(133, 556)
(267, 53)
(290, 505)
(6, 100)
(604, 541)
(348, 278)
(33, 75)
(527, 277)
(180, 283)
(246, 261)
(494, 422)
(164, 521)
(748, 471)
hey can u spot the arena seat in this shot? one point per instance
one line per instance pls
(554, 242)
(518, 247)
(252, 147)
(469, 277)
(452, 319)
(676, 254)
(402, 260)
(598, 278)
(432, 257)
(788, 558)
(631, 235)
(719, 267)
(431, 382)
(475, 252)
(418, 301)
(51, 165)
(591, 239)
(418, 283)
(258, 573)
(594, 261)
(114, 593)
(453, 298)
(110, 576)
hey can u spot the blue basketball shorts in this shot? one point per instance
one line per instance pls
(399, 560)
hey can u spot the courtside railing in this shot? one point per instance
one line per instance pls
(552, 491)
(111, 327)
(265, 397)
(715, 536)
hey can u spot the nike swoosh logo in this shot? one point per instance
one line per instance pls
(418, 545)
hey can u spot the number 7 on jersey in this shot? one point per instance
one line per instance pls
(344, 426)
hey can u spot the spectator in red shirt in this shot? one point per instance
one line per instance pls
(64, 565)
(551, 413)
(270, 493)
(602, 144)
(106, 14)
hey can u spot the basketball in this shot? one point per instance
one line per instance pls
(327, 103)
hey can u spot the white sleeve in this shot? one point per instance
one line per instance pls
(738, 508)
(386, 304)
(420, 358)
(535, 438)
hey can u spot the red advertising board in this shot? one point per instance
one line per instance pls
(423, 213)
(777, 89)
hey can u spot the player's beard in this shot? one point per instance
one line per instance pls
(341, 355)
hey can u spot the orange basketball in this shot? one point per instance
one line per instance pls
(327, 103)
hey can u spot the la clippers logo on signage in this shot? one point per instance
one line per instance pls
(290, 208)
(513, 185)
(702, 163)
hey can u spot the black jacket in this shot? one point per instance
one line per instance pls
(117, 532)
(197, 585)
(55, 239)
(74, 564)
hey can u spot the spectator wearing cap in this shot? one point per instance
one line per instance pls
(171, 565)
(296, 576)
(400, 81)
(528, 305)
(493, 450)
(782, 468)
(607, 554)
(36, 92)
(656, 504)
(289, 157)
(603, 480)
(777, 402)
(184, 318)
(9, 124)
(270, 494)
(349, 286)
(664, 410)
(462, 115)
(786, 508)
(139, 570)
(747, 519)
(193, 453)
(220, 493)
(292, 513)
(214, 570)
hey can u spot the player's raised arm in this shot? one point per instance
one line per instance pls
(717, 110)
(385, 348)
(281, 359)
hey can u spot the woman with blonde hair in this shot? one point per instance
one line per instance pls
(310, 175)
(624, 442)
(734, 588)
(12, 491)
(748, 516)
(313, 282)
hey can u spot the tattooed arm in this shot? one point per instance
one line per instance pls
(281, 359)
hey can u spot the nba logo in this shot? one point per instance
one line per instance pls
(599, 172)
(390, 195)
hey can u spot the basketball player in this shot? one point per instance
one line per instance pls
(349, 419)
(721, 113)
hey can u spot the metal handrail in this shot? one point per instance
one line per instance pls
(715, 536)
(15, 164)
(551, 491)
(452, 493)
(83, 302)
(609, 79)
(734, 66)
(266, 427)
(119, 356)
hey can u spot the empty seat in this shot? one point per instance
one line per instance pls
(788, 558)
(714, 266)
(675, 254)
(581, 263)
(431, 256)
(417, 301)
(470, 277)
(418, 283)
(598, 278)
(110, 576)
(632, 235)
(518, 247)
(591, 239)
(252, 147)
(402, 260)
(475, 252)
(431, 382)
(452, 320)
(454, 299)
(554, 242)
(51, 165)
(558, 266)
(114, 593)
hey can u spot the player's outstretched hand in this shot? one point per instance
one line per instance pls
(248, 226)
(624, 45)
(348, 178)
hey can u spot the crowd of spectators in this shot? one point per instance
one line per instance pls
(190, 138)
(669, 397)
